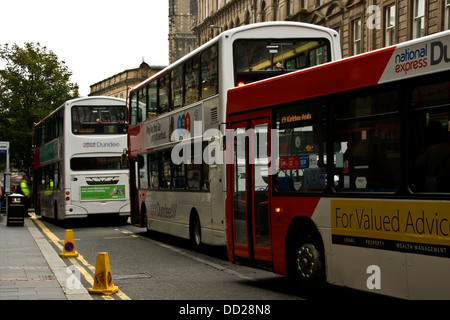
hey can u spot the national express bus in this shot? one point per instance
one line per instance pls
(78, 161)
(187, 101)
(341, 173)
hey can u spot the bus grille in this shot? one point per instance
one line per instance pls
(96, 181)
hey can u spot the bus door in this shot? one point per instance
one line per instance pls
(134, 189)
(251, 185)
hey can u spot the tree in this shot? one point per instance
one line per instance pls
(33, 83)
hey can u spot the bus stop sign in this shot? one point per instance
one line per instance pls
(3, 146)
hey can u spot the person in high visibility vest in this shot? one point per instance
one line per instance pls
(25, 190)
(48, 186)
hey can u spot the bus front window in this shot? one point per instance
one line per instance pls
(99, 120)
(257, 59)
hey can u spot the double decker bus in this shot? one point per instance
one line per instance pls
(187, 101)
(351, 185)
(78, 167)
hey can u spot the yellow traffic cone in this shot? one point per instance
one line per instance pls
(103, 283)
(69, 246)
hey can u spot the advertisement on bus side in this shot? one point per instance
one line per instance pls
(420, 58)
(408, 226)
(102, 192)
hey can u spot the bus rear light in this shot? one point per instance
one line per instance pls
(277, 210)
(67, 192)
(67, 198)
(241, 84)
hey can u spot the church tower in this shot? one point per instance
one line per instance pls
(182, 17)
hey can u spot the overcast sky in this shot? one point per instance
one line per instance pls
(96, 38)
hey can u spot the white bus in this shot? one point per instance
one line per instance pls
(77, 161)
(188, 199)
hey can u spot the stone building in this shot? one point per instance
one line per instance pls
(119, 84)
(363, 25)
(182, 17)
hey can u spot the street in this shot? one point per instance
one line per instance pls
(169, 276)
(152, 266)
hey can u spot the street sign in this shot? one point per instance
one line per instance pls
(4, 146)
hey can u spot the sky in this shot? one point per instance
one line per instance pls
(95, 38)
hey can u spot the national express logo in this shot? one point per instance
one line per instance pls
(101, 144)
(430, 54)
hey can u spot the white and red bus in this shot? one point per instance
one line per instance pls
(188, 199)
(352, 184)
(78, 167)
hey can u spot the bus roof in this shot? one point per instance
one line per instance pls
(80, 99)
(418, 57)
(229, 33)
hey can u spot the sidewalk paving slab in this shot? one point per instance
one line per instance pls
(30, 269)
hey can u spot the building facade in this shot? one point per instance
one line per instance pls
(182, 18)
(119, 84)
(363, 25)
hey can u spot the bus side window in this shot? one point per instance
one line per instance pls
(302, 148)
(194, 170)
(191, 80)
(430, 167)
(209, 70)
(164, 101)
(143, 172)
(134, 109)
(154, 172)
(152, 108)
(165, 170)
(177, 86)
(367, 142)
(142, 110)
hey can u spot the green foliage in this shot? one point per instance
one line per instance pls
(33, 83)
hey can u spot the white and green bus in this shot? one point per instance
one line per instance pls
(78, 170)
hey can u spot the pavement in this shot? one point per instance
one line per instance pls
(30, 268)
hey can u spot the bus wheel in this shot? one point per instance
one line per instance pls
(307, 264)
(195, 231)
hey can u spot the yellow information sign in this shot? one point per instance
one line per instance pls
(410, 226)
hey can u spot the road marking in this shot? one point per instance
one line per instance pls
(120, 237)
(59, 243)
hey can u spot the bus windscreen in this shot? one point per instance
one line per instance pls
(99, 120)
(261, 58)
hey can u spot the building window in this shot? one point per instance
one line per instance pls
(275, 10)
(193, 7)
(390, 26)
(290, 7)
(447, 15)
(357, 36)
(263, 11)
(419, 19)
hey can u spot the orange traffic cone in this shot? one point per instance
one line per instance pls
(69, 246)
(103, 283)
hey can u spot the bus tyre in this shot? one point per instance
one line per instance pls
(307, 266)
(195, 231)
